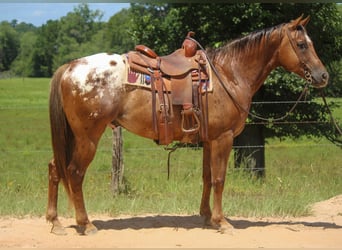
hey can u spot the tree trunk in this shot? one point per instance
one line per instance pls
(117, 161)
(249, 150)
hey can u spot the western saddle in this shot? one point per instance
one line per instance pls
(178, 79)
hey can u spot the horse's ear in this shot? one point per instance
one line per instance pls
(305, 21)
(296, 22)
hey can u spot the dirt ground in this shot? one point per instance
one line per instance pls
(323, 229)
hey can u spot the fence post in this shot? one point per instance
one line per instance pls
(250, 149)
(117, 161)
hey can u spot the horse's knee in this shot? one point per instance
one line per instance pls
(218, 184)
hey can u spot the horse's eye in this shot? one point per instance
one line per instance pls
(302, 45)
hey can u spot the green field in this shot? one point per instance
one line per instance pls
(298, 173)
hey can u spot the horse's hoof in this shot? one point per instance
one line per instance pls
(222, 226)
(58, 230)
(226, 228)
(207, 222)
(90, 229)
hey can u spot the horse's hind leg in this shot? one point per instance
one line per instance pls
(51, 213)
(83, 155)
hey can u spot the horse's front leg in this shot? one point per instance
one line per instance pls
(219, 153)
(205, 210)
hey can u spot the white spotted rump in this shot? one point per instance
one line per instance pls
(93, 73)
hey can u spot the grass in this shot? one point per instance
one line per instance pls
(298, 172)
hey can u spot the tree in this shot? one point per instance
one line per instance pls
(45, 49)
(80, 24)
(116, 32)
(149, 26)
(42, 50)
(9, 45)
(76, 29)
(23, 27)
(22, 65)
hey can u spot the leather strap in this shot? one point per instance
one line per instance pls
(165, 126)
(301, 57)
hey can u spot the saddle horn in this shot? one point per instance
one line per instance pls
(189, 46)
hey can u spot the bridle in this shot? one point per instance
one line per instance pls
(307, 71)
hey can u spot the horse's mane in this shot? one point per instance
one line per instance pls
(243, 44)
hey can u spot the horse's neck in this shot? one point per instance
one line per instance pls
(252, 67)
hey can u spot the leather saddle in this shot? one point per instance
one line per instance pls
(176, 78)
(175, 64)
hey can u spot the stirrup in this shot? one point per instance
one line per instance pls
(197, 124)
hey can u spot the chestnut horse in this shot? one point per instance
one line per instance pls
(87, 94)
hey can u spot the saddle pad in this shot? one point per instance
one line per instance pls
(140, 80)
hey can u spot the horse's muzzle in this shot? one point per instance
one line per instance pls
(320, 79)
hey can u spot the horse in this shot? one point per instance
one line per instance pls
(88, 94)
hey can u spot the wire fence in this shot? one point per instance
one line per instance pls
(23, 121)
(18, 120)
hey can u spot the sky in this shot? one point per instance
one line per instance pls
(39, 13)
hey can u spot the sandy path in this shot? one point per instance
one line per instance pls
(323, 229)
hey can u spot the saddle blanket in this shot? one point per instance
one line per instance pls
(140, 80)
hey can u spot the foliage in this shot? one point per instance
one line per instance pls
(117, 36)
(45, 49)
(75, 29)
(148, 26)
(14, 39)
(9, 45)
(22, 65)
(325, 30)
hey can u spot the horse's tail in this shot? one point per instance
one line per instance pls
(61, 134)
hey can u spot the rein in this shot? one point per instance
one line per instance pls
(308, 79)
(333, 120)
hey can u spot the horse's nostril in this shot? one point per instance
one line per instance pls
(325, 76)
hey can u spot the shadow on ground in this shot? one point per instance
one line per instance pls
(195, 221)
